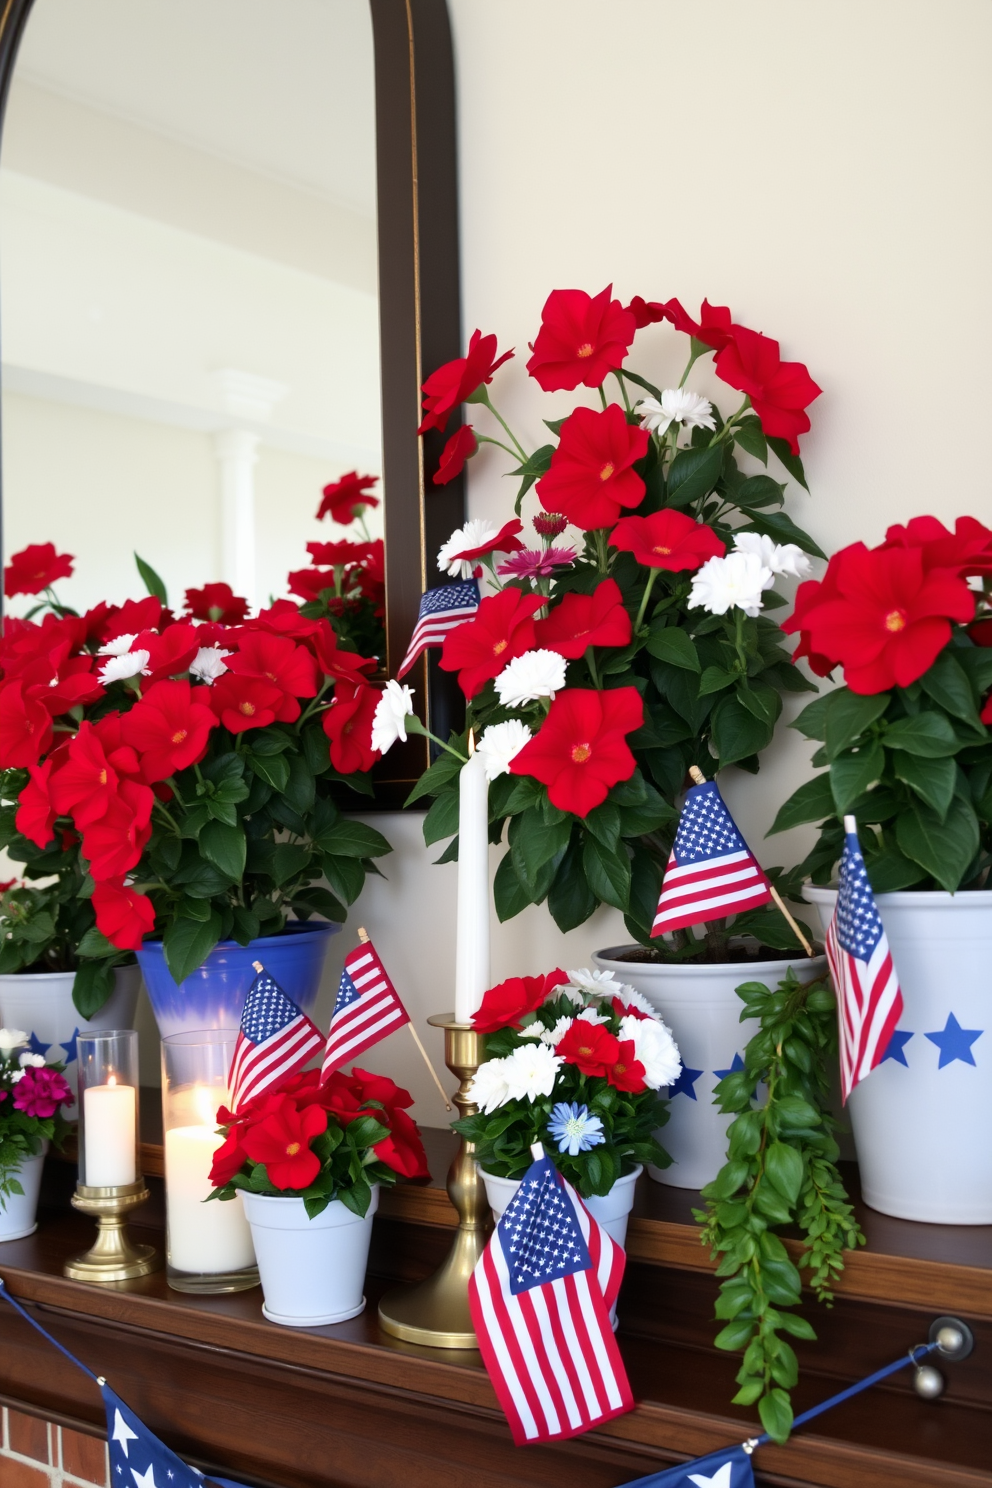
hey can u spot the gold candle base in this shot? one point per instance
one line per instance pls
(436, 1312)
(113, 1256)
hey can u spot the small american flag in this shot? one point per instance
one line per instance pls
(869, 1001)
(275, 1040)
(367, 1008)
(441, 610)
(540, 1298)
(711, 870)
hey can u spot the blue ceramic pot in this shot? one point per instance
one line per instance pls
(214, 995)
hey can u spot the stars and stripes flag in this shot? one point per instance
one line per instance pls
(869, 1001)
(275, 1040)
(367, 1007)
(730, 1468)
(441, 610)
(540, 1298)
(711, 870)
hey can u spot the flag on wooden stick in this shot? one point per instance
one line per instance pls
(441, 609)
(275, 1040)
(711, 870)
(367, 1008)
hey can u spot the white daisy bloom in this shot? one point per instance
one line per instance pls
(530, 1071)
(119, 646)
(533, 1030)
(15, 1076)
(536, 674)
(11, 1038)
(489, 1089)
(781, 558)
(553, 1036)
(677, 406)
(594, 983)
(591, 1015)
(475, 534)
(500, 744)
(27, 1060)
(208, 664)
(630, 997)
(736, 581)
(391, 713)
(119, 668)
(655, 1048)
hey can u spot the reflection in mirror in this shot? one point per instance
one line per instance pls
(188, 300)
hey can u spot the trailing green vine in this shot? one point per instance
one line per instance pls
(781, 1171)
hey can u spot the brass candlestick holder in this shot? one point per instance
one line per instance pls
(113, 1256)
(436, 1311)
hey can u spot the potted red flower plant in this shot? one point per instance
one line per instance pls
(34, 1097)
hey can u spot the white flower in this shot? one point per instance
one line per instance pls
(500, 744)
(11, 1038)
(534, 675)
(655, 1048)
(119, 646)
(16, 1075)
(677, 406)
(594, 983)
(780, 558)
(554, 1036)
(530, 1071)
(591, 1015)
(723, 583)
(489, 1089)
(477, 533)
(533, 1030)
(391, 713)
(118, 668)
(27, 1060)
(208, 664)
(630, 997)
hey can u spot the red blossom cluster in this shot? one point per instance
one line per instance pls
(597, 1052)
(343, 570)
(345, 499)
(504, 1006)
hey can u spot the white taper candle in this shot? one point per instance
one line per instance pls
(472, 943)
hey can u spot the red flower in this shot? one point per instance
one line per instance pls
(504, 1006)
(217, 603)
(113, 845)
(713, 326)
(133, 616)
(40, 1091)
(591, 475)
(627, 1010)
(626, 1072)
(667, 539)
(122, 914)
(590, 1047)
(580, 750)
(581, 339)
(345, 498)
(229, 1158)
(458, 380)
(170, 653)
(310, 583)
(170, 729)
(502, 628)
(986, 713)
(245, 702)
(348, 725)
(981, 632)
(967, 550)
(460, 447)
(779, 391)
(505, 541)
(812, 592)
(35, 813)
(340, 554)
(402, 1150)
(584, 620)
(646, 312)
(278, 660)
(549, 524)
(888, 618)
(347, 666)
(283, 618)
(25, 728)
(73, 683)
(87, 783)
(34, 568)
(281, 1140)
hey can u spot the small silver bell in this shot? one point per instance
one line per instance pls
(928, 1382)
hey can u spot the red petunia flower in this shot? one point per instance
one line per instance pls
(348, 725)
(217, 603)
(504, 1006)
(35, 568)
(86, 784)
(502, 628)
(626, 1072)
(170, 728)
(667, 539)
(25, 728)
(341, 554)
(278, 660)
(646, 312)
(591, 475)
(888, 617)
(346, 666)
(344, 499)
(779, 391)
(35, 813)
(627, 1010)
(458, 380)
(581, 749)
(590, 1047)
(584, 620)
(281, 1140)
(132, 617)
(245, 702)
(967, 550)
(310, 583)
(70, 684)
(505, 540)
(114, 844)
(582, 339)
(228, 1159)
(283, 618)
(810, 594)
(713, 326)
(460, 447)
(122, 914)
(169, 654)
(403, 1149)
(981, 632)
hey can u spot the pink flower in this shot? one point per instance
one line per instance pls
(532, 563)
(40, 1091)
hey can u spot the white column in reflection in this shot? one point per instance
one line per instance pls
(237, 453)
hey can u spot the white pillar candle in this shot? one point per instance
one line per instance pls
(204, 1239)
(472, 946)
(109, 1141)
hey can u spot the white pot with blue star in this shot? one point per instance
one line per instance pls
(922, 1119)
(699, 1003)
(41, 1003)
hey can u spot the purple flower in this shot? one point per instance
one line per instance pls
(40, 1092)
(533, 563)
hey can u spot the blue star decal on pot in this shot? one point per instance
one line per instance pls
(897, 1045)
(954, 1042)
(69, 1046)
(683, 1085)
(36, 1046)
(736, 1064)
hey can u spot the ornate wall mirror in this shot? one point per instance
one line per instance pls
(228, 256)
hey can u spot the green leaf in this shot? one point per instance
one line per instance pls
(693, 474)
(604, 824)
(947, 683)
(847, 714)
(784, 530)
(775, 1408)
(313, 899)
(188, 943)
(151, 580)
(852, 773)
(288, 861)
(346, 876)
(761, 700)
(533, 843)
(91, 987)
(225, 847)
(716, 679)
(944, 848)
(94, 943)
(530, 470)
(441, 773)
(759, 491)
(442, 819)
(792, 462)
(933, 780)
(888, 871)
(570, 899)
(930, 735)
(608, 873)
(812, 802)
(751, 438)
(812, 721)
(301, 786)
(273, 769)
(736, 732)
(354, 839)
(509, 894)
(784, 1166)
(673, 645)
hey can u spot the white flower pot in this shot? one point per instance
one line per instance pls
(610, 1210)
(40, 1004)
(18, 1211)
(701, 1007)
(922, 1130)
(312, 1270)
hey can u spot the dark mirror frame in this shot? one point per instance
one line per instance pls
(419, 328)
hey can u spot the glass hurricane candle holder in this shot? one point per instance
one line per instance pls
(208, 1246)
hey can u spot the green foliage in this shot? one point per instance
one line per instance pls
(780, 1173)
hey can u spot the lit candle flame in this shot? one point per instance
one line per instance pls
(112, 1080)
